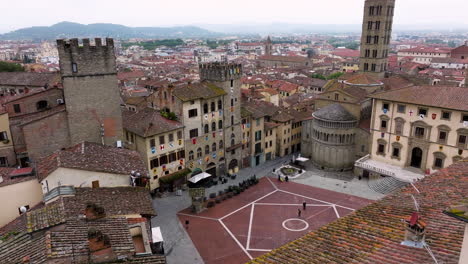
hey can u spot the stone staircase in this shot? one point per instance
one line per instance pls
(386, 185)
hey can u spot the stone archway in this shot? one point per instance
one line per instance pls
(232, 164)
(416, 157)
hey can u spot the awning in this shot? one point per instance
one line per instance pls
(302, 159)
(156, 234)
(199, 177)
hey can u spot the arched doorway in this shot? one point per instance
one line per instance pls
(211, 169)
(232, 164)
(416, 157)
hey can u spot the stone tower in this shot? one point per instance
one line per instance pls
(376, 35)
(91, 93)
(227, 76)
(268, 46)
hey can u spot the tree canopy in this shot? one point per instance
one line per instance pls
(10, 67)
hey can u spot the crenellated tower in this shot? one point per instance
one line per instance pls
(91, 93)
(228, 77)
(376, 34)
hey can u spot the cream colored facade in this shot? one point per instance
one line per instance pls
(7, 153)
(83, 178)
(16, 195)
(423, 56)
(257, 134)
(283, 139)
(427, 142)
(154, 153)
(270, 143)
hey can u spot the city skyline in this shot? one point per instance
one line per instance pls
(158, 13)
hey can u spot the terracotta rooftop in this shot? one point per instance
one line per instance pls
(202, 90)
(363, 79)
(92, 157)
(30, 79)
(148, 122)
(436, 96)
(284, 58)
(373, 234)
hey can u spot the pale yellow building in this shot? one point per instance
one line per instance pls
(7, 153)
(18, 188)
(159, 140)
(424, 128)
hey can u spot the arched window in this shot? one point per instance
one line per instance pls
(213, 107)
(220, 124)
(213, 147)
(232, 102)
(41, 105)
(207, 150)
(205, 108)
(213, 126)
(207, 129)
(221, 145)
(190, 155)
(232, 120)
(199, 153)
(220, 105)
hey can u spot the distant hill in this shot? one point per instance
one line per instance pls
(76, 30)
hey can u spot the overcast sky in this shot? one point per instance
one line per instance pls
(26, 13)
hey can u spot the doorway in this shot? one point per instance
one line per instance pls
(416, 158)
(257, 160)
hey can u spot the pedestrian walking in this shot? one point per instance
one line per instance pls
(279, 177)
(187, 224)
(287, 178)
(299, 212)
(304, 204)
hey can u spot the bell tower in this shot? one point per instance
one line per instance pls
(376, 34)
(268, 46)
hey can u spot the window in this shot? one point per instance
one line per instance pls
(199, 153)
(461, 139)
(419, 132)
(213, 147)
(172, 157)
(163, 160)
(213, 126)
(232, 83)
(206, 128)
(422, 111)
(192, 113)
(161, 140)
(373, 67)
(445, 115)
(439, 158)
(396, 152)
(42, 105)
(220, 124)
(442, 136)
(258, 121)
(369, 25)
(258, 135)
(401, 108)
(205, 108)
(377, 25)
(213, 107)
(232, 102)
(3, 162)
(376, 39)
(179, 134)
(221, 145)
(74, 67)
(381, 149)
(192, 102)
(17, 108)
(232, 120)
(369, 39)
(154, 163)
(181, 154)
(337, 97)
(207, 150)
(193, 133)
(438, 163)
(171, 137)
(220, 105)
(190, 155)
(374, 54)
(152, 143)
(366, 66)
(464, 118)
(383, 124)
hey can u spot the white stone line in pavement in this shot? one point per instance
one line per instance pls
(295, 230)
(250, 226)
(247, 205)
(317, 200)
(336, 212)
(274, 185)
(235, 239)
(203, 217)
(258, 249)
(292, 204)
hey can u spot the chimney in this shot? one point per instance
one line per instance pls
(415, 231)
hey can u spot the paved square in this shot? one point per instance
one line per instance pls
(262, 218)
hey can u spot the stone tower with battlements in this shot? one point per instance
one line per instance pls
(91, 93)
(376, 35)
(228, 77)
(268, 46)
